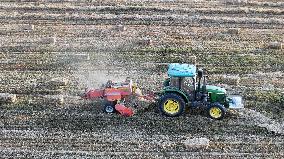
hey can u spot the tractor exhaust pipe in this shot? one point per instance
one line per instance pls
(199, 75)
(204, 84)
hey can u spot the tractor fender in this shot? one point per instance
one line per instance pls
(183, 94)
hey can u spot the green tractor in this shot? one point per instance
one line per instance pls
(186, 87)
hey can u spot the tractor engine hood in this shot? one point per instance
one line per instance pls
(215, 89)
(234, 101)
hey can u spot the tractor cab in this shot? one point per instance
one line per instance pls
(187, 79)
(186, 86)
(182, 76)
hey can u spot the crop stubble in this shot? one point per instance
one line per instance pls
(78, 41)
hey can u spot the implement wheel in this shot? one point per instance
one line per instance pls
(171, 105)
(109, 107)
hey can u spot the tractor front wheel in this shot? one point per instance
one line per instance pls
(216, 111)
(172, 105)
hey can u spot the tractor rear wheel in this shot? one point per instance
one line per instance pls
(109, 107)
(216, 111)
(172, 105)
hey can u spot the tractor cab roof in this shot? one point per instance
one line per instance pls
(181, 70)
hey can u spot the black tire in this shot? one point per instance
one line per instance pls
(216, 111)
(171, 105)
(109, 107)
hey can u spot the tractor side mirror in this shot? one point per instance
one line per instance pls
(200, 73)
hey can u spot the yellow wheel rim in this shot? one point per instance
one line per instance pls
(171, 106)
(215, 112)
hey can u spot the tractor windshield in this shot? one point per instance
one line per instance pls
(185, 83)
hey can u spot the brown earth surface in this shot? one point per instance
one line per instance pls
(51, 50)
